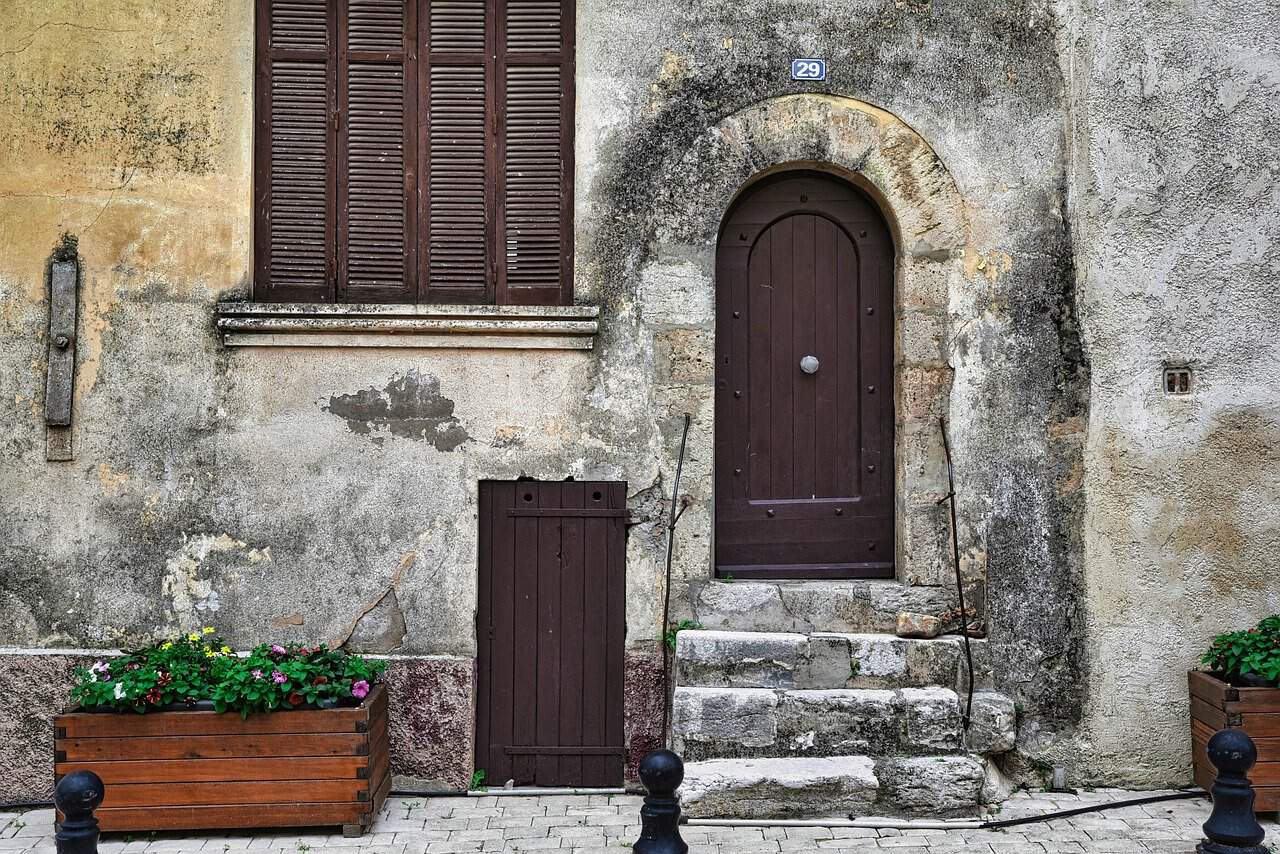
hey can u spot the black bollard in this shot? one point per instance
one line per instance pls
(661, 772)
(1232, 827)
(77, 795)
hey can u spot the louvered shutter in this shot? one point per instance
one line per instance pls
(457, 197)
(376, 141)
(294, 189)
(535, 77)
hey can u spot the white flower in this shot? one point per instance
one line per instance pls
(119, 691)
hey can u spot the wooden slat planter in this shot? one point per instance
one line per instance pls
(203, 770)
(1217, 705)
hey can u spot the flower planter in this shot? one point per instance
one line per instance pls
(198, 770)
(1218, 705)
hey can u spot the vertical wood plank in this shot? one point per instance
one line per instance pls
(595, 618)
(852, 310)
(615, 638)
(573, 638)
(484, 621)
(759, 468)
(782, 366)
(828, 428)
(550, 551)
(803, 302)
(525, 636)
(503, 628)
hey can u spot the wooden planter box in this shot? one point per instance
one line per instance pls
(1217, 705)
(190, 770)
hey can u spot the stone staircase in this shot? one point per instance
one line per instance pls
(794, 700)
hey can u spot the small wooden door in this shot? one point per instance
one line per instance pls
(551, 627)
(804, 383)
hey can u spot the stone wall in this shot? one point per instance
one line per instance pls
(315, 495)
(1176, 220)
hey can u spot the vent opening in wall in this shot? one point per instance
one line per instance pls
(1177, 380)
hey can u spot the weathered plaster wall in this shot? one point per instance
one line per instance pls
(1177, 215)
(285, 492)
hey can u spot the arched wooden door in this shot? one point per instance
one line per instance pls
(804, 383)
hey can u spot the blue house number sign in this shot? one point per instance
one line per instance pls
(808, 69)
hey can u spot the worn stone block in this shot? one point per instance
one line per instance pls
(994, 725)
(685, 355)
(918, 625)
(936, 786)
(740, 659)
(778, 788)
(432, 722)
(922, 338)
(707, 720)
(923, 392)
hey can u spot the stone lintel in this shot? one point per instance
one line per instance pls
(249, 324)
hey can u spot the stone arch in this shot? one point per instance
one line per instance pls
(922, 204)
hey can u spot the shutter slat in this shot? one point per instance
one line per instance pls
(533, 165)
(456, 180)
(533, 26)
(457, 25)
(299, 24)
(298, 219)
(375, 25)
(377, 220)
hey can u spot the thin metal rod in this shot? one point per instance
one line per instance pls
(950, 497)
(666, 589)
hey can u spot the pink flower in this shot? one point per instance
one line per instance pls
(257, 674)
(101, 671)
(278, 677)
(360, 689)
(278, 649)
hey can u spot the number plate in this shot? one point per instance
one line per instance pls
(808, 69)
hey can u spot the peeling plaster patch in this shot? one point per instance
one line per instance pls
(189, 594)
(288, 620)
(991, 264)
(111, 479)
(410, 407)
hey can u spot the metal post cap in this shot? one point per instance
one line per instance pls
(662, 772)
(1232, 750)
(78, 794)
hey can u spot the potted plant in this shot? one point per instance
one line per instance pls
(186, 734)
(1241, 689)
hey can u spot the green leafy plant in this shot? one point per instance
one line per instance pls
(200, 666)
(1254, 651)
(477, 781)
(676, 628)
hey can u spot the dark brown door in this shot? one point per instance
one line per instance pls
(804, 383)
(551, 627)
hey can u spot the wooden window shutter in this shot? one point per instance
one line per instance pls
(535, 91)
(414, 150)
(294, 189)
(456, 200)
(377, 139)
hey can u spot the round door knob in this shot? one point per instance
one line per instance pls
(809, 364)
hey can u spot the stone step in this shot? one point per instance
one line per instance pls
(853, 606)
(788, 660)
(722, 723)
(837, 786)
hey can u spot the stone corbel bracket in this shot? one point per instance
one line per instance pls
(254, 324)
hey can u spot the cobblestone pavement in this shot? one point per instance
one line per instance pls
(608, 824)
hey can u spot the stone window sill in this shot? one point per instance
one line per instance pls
(255, 324)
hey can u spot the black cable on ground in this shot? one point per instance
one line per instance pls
(1110, 805)
(950, 497)
(666, 590)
